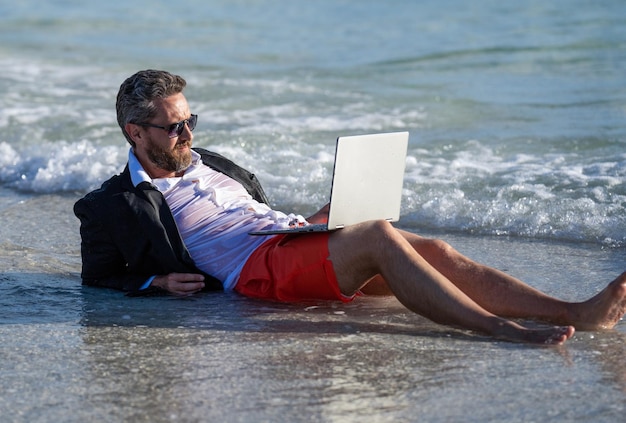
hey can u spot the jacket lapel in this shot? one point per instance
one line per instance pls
(156, 219)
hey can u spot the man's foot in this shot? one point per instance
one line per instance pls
(555, 335)
(602, 311)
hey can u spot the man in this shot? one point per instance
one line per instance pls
(177, 220)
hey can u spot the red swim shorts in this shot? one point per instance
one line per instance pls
(291, 268)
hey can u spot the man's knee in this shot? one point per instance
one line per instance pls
(441, 247)
(364, 241)
(438, 250)
(379, 228)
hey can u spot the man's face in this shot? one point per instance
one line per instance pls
(160, 155)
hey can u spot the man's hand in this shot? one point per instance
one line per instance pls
(181, 284)
(321, 216)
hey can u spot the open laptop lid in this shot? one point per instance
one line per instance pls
(367, 178)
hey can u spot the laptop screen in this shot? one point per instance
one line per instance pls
(368, 178)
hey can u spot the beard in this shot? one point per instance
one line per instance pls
(174, 160)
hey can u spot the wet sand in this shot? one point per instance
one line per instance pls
(72, 353)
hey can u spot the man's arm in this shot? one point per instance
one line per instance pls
(113, 248)
(321, 216)
(103, 264)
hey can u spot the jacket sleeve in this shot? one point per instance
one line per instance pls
(103, 263)
(125, 241)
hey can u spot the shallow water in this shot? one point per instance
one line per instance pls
(72, 353)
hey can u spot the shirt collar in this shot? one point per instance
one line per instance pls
(138, 173)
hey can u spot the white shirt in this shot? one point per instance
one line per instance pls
(214, 214)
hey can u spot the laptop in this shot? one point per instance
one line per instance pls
(367, 182)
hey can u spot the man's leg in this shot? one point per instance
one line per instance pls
(493, 290)
(361, 252)
(490, 288)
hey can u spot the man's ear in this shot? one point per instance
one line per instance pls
(134, 131)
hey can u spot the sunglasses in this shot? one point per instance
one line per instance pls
(175, 129)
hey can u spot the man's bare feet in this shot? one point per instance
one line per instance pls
(604, 310)
(555, 335)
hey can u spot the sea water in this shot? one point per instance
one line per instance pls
(515, 111)
(516, 116)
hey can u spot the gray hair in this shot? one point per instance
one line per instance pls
(135, 99)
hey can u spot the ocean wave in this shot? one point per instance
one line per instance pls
(59, 167)
(472, 189)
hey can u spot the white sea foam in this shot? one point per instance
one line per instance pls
(477, 191)
(553, 196)
(60, 167)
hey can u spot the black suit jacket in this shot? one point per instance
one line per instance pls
(129, 234)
